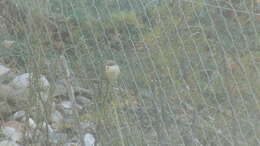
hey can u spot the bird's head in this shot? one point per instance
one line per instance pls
(112, 70)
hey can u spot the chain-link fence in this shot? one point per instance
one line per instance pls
(189, 72)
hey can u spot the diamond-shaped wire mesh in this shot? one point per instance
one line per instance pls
(189, 72)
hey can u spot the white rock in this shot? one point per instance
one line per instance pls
(89, 139)
(3, 70)
(50, 129)
(23, 81)
(66, 104)
(32, 124)
(8, 143)
(8, 43)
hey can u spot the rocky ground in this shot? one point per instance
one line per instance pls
(36, 112)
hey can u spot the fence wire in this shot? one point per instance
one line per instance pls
(189, 72)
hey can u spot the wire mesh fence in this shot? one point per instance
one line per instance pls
(130, 72)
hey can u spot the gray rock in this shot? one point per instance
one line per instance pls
(66, 107)
(5, 109)
(8, 143)
(57, 119)
(61, 90)
(13, 130)
(88, 126)
(7, 43)
(72, 144)
(19, 115)
(84, 92)
(84, 101)
(14, 99)
(23, 81)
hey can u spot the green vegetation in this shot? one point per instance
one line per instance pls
(189, 69)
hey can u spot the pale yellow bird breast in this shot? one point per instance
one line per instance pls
(112, 72)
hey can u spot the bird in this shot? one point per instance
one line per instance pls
(112, 70)
(109, 76)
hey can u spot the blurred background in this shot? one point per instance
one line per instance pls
(190, 70)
